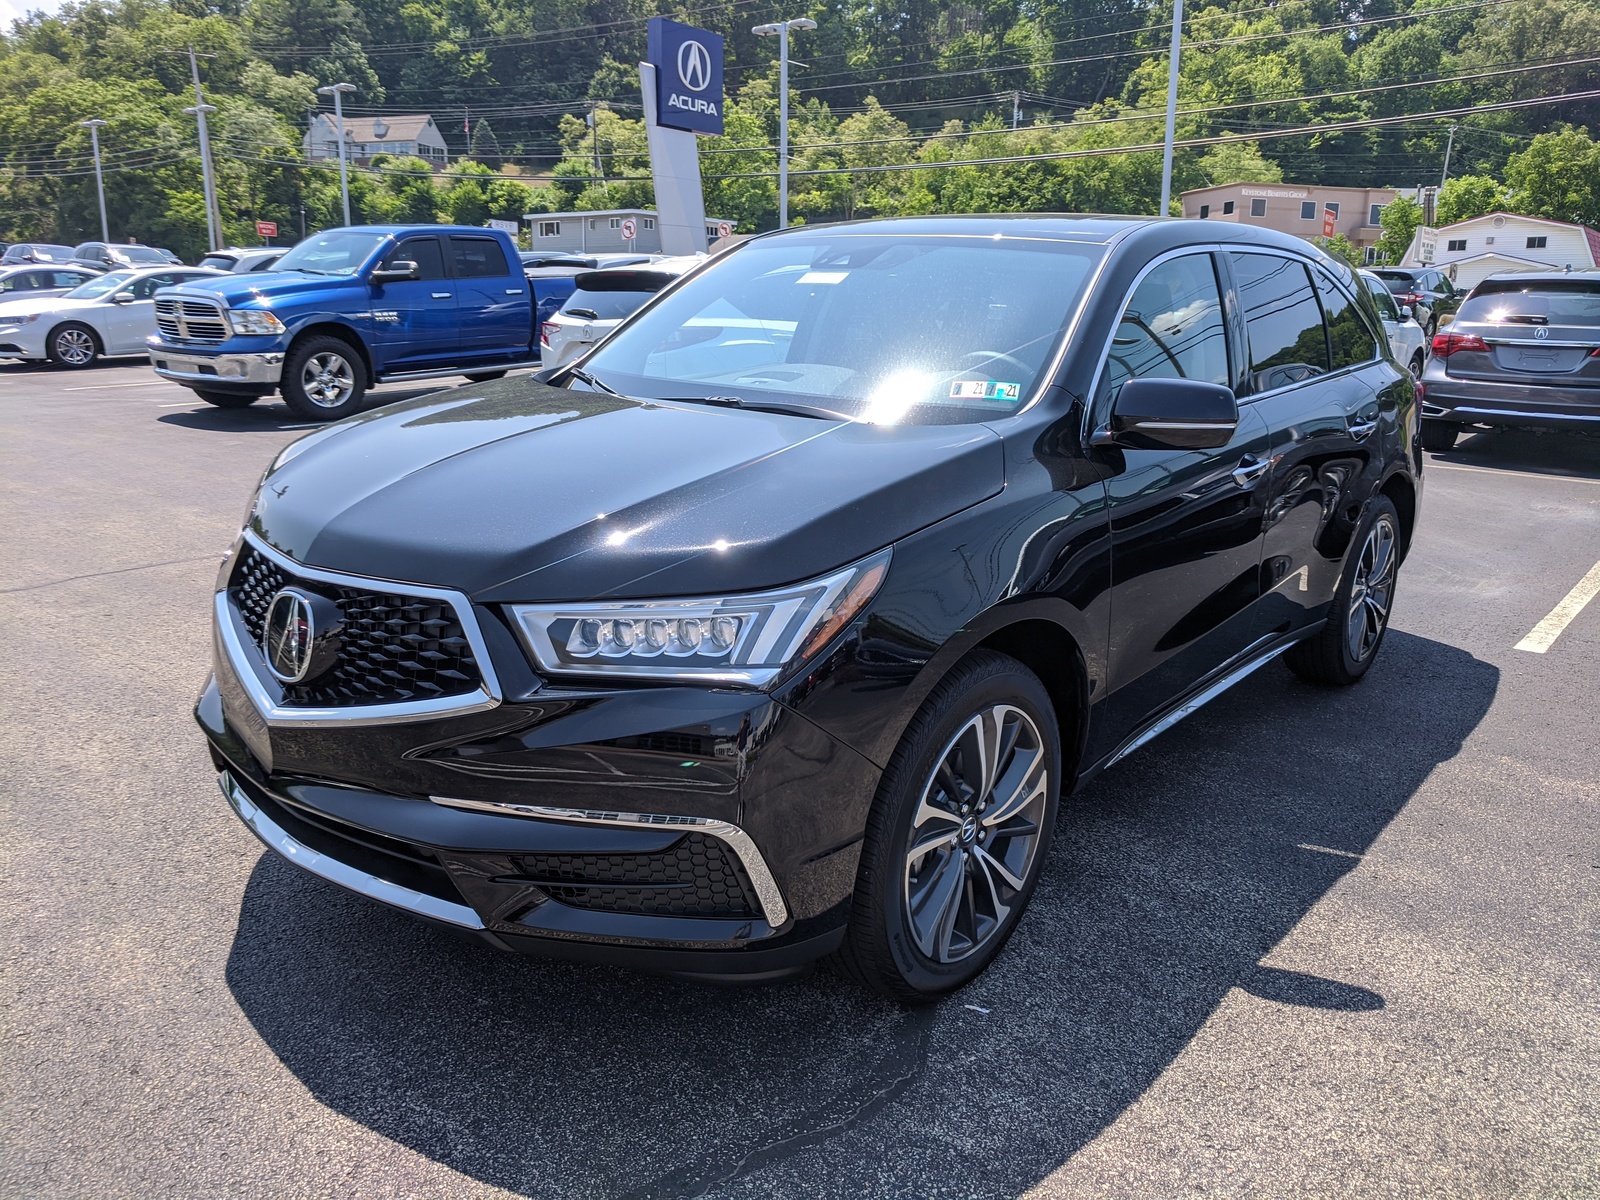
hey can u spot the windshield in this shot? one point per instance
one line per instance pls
(605, 306)
(887, 328)
(339, 252)
(139, 254)
(100, 285)
(1538, 304)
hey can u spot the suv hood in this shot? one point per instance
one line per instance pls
(237, 290)
(517, 491)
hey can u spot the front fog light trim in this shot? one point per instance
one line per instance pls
(745, 640)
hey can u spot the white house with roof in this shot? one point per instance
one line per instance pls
(367, 137)
(1472, 250)
(603, 231)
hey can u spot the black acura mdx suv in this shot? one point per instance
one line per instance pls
(777, 627)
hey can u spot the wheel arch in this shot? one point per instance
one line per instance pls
(1402, 493)
(339, 330)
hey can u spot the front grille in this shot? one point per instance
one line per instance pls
(697, 876)
(392, 647)
(194, 321)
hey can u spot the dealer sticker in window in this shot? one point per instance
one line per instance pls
(985, 389)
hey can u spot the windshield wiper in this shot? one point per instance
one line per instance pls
(772, 406)
(583, 376)
(583, 312)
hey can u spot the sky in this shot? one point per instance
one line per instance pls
(13, 10)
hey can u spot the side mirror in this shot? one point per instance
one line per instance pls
(122, 298)
(1170, 414)
(396, 272)
(1405, 312)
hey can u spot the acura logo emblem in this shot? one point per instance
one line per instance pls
(694, 66)
(288, 635)
(1541, 333)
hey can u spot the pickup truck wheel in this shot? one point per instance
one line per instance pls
(957, 835)
(226, 399)
(1340, 653)
(486, 376)
(74, 345)
(324, 379)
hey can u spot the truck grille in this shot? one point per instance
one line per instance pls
(193, 321)
(393, 647)
(694, 877)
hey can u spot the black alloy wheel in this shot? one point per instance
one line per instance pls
(1342, 651)
(226, 399)
(958, 833)
(324, 379)
(74, 345)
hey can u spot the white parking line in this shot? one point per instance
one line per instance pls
(101, 387)
(1544, 634)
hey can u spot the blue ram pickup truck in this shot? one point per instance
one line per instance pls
(352, 307)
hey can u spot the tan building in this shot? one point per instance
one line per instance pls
(1293, 208)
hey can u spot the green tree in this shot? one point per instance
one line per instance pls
(1467, 196)
(1557, 176)
(1399, 219)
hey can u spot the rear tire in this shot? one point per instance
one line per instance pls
(1439, 436)
(1343, 650)
(1418, 361)
(957, 835)
(74, 346)
(226, 399)
(486, 376)
(324, 379)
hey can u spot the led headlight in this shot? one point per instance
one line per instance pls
(250, 320)
(746, 639)
(21, 319)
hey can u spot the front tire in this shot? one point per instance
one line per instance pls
(1439, 436)
(74, 346)
(1418, 362)
(324, 379)
(957, 835)
(226, 399)
(1346, 647)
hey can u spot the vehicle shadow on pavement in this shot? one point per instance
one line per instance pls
(1561, 453)
(1172, 877)
(273, 414)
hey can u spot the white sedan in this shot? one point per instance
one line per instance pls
(599, 303)
(1407, 339)
(110, 314)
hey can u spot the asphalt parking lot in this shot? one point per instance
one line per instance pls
(1308, 943)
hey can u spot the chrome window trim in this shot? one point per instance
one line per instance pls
(231, 630)
(301, 855)
(729, 834)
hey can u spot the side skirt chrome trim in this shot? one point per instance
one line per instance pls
(1183, 710)
(736, 839)
(331, 869)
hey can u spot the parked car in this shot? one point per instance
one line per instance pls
(1407, 342)
(1427, 292)
(599, 302)
(587, 262)
(1524, 350)
(348, 308)
(109, 315)
(34, 252)
(778, 626)
(244, 260)
(32, 282)
(109, 256)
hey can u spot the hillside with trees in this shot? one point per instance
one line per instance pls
(996, 105)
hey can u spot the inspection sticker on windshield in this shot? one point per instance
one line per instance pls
(985, 389)
(824, 277)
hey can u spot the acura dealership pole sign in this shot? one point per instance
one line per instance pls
(688, 63)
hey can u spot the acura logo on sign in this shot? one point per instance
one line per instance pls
(287, 635)
(694, 66)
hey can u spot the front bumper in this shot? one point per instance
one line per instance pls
(222, 372)
(24, 341)
(1481, 402)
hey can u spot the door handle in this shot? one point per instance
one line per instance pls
(441, 295)
(1362, 429)
(1249, 470)
(513, 291)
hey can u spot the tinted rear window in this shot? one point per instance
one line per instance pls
(1560, 303)
(608, 305)
(1396, 280)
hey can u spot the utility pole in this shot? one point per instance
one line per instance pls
(94, 127)
(1448, 146)
(337, 91)
(781, 29)
(1016, 109)
(594, 128)
(208, 179)
(1172, 107)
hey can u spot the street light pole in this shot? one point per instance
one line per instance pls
(94, 127)
(1172, 108)
(207, 178)
(337, 91)
(781, 29)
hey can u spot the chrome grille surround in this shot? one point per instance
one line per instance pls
(194, 322)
